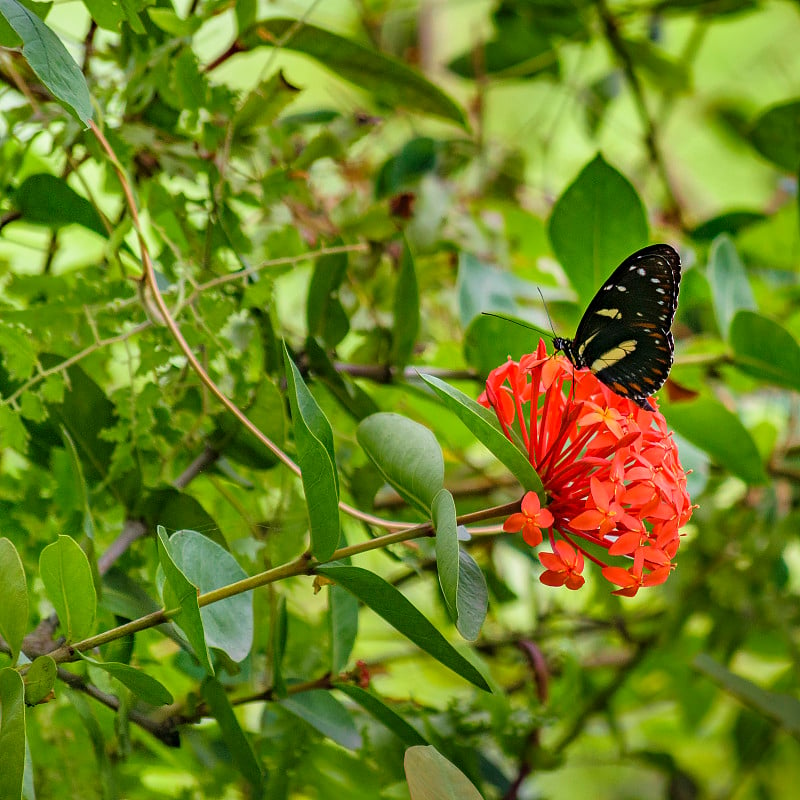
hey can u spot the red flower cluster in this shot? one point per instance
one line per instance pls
(610, 470)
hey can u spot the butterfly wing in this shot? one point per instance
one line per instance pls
(624, 336)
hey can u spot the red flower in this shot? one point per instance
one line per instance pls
(530, 521)
(563, 567)
(610, 470)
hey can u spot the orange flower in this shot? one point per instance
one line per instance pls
(610, 469)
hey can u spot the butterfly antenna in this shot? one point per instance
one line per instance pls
(515, 321)
(546, 311)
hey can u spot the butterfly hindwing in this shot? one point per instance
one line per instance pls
(624, 336)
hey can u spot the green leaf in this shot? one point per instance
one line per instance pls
(490, 340)
(670, 75)
(344, 626)
(13, 432)
(179, 593)
(707, 424)
(484, 425)
(518, 50)
(783, 709)
(372, 704)
(140, 683)
(67, 578)
(473, 597)
(325, 316)
(49, 59)
(321, 710)
(407, 455)
(239, 745)
(40, 679)
(352, 398)
(169, 22)
(228, 624)
(44, 199)
(731, 223)
(106, 15)
(279, 634)
(776, 135)
(595, 225)
(81, 490)
(399, 173)
(483, 287)
(766, 350)
(13, 598)
(263, 104)
(12, 734)
(406, 310)
(431, 776)
(314, 439)
(393, 83)
(730, 287)
(444, 520)
(390, 604)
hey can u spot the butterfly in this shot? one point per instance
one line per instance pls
(624, 335)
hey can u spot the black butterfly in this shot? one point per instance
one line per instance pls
(624, 337)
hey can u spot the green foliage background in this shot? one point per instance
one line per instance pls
(359, 182)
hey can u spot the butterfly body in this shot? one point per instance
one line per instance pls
(624, 335)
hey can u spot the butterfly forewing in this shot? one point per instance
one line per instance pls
(624, 335)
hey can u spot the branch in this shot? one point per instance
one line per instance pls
(617, 44)
(304, 564)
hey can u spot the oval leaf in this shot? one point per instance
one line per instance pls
(13, 598)
(178, 593)
(140, 683)
(12, 733)
(393, 83)
(67, 579)
(730, 288)
(49, 59)
(314, 439)
(40, 680)
(321, 710)
(431, 776)
(407, 455)
(707, 424)
(393, 606)
(228, 623)
(776, 135)
(473, 597)
(483, 423)
(596, 223)
(766, 350)
(444, 520)
(238, 744)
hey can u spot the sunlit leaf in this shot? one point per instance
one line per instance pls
(12, 733)
(766, 350)
(407, 454)
(596, 223)
(49, 59)
(431, 776)
(67, 578)
(13, 598)
(314, 438)
(393, 606)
